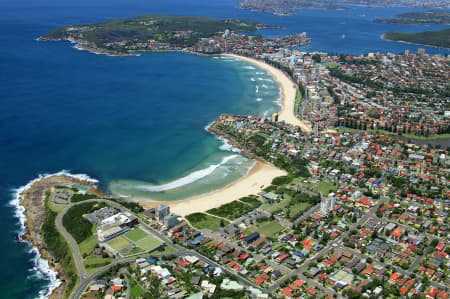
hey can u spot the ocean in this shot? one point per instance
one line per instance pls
(136, 124)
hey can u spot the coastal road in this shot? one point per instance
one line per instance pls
(78, 260)
(70, 240)
(78, 292)
(72, 243)
(181, 251)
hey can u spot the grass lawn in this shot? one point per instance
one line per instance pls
(201, 221)
(93, 263)
(136, 290)
(88, 245)
(148, 243)
(325, 188)
(270, 228)
(251, 200)
(278, 206)
(231, 210)
(299, 207)
(56, 207)
(136, 234)
(135, 251)
(118, 243)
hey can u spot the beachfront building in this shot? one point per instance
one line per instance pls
(171, 220)
(275, 117)
(161, 212)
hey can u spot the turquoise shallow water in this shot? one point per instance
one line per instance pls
(216, 163)
(134, 121)
(122, 120)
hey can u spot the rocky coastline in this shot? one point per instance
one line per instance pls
(32, 199)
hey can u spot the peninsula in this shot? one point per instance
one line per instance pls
(426, 17)
(439, 39)
(172, 33)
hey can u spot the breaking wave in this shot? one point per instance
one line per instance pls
(41, 267)
(189, 179)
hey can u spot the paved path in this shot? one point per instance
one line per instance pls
(78, 260)
(181, 251)
(72, 243)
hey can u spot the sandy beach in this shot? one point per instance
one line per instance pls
(288, 88)
(261, 174)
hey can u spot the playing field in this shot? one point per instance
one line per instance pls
(270, 228)
(148, 243)
(119, 243)
(136, 234)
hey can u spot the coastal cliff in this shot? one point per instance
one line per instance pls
(34, 199)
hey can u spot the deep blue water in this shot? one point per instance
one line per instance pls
(132, 118)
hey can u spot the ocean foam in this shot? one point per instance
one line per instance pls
(257, 89)
(259, 99)
(249, 67)
(252, 79)
(209, 125)
(226, 146)
(279, 101)
(189, 179)
(265, 86)
(41, 266)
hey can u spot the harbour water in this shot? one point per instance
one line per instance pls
(137, 124)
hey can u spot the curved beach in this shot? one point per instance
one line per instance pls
(288, 89)
(260, 175)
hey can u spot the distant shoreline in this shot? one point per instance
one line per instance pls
(288, 90)
(383, 37)
(261, 174)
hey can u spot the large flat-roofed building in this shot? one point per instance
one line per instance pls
(108, 233)
(115, 225)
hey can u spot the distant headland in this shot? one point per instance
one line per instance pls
(123, 37)
(290, 7)
(412, 18)
(440, 39)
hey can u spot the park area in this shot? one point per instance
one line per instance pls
(288, 205)
(201, 221)
(323, 187)
(268, 229)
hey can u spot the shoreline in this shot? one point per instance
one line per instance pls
(260, 174)
(29, 208)
(288, 91)
(383, 37)
(29, 204)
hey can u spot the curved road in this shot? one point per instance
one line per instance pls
(84, 278)
(72, 243)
